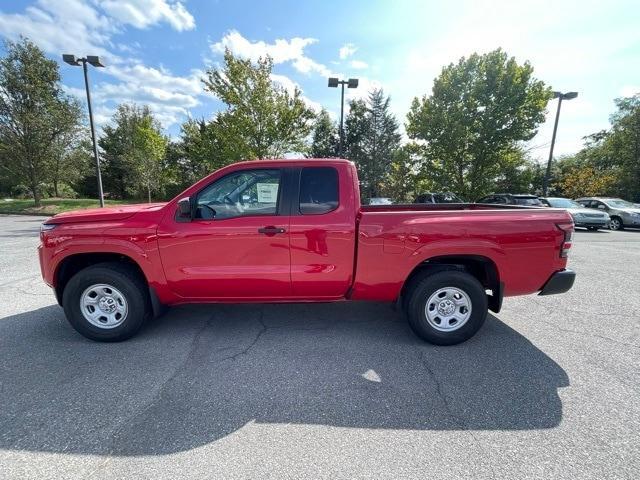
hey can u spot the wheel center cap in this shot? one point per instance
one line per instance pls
(446, 307)
(107, 304)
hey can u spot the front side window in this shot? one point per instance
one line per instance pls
(617, 203)
(563, 203)
(446, 198)
(318, 190)
(528, 201)
(240, 194)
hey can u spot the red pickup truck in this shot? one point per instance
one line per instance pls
(295, 231)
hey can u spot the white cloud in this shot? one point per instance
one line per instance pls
(57, 27)
(285, 82)
(281, 51)
(347, 50)
(169, 96)
(630, 90)
(144, 13)
(76, 26)
(290, 86)
(358, 64)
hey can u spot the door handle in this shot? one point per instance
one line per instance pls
(271, 230)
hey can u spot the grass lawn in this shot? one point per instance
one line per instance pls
(51, 206)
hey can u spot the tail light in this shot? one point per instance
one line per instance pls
(565, 246)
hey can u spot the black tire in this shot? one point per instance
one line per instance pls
(127, 281)
(616, 223)
(427, 286)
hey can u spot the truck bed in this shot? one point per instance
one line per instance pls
(430, 207)
(523, 243)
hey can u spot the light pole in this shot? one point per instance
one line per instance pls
(96, 62)
(351, 83)
(560, 96)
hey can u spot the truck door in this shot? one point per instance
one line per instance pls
(322, 233)
(237, 246)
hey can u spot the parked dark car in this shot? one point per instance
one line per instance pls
(512, 199)
(438, 197)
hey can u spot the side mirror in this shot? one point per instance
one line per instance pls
(184, 209)
(601, 207)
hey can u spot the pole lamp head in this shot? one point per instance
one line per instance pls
(70, 59)
(569, 95)
(352, 83)
(333, 82)
(95, 61)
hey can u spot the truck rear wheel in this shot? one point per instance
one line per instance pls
(447, 307)
(106, 302)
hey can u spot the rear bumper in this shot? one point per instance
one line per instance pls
(559, 282)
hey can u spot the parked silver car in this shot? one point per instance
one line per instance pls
(582, 216)
(622, 213)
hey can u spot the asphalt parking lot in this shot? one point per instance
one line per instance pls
(549, 388)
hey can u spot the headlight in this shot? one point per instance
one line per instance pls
(45, 227)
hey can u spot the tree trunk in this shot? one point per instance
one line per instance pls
(36, 195)
(148, 194)
(55, 188)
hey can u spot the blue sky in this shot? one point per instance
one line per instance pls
(157, 50)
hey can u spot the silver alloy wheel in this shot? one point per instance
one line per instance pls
(448, 309)
(103, 306)
(614, 224)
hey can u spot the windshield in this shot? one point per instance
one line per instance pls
(617, 203)
(563, 203)
(529, 201)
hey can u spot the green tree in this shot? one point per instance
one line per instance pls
(147, 155)
(586, 181)
(325, 138)
(262, 119)
(199, 151)
(480, 108)
(35, 115)
(607, 154)
(372, 138)
(403, 181)
(68, 152)
(133, 152)
(519, 173)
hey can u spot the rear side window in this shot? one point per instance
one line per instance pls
(318, 190)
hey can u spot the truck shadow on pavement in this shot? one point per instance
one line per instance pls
(200, 373)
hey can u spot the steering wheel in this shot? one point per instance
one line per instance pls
(209, 209)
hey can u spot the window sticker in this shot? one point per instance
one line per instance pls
(267, 192)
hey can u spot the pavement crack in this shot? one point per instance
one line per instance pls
(578, 312)
(263, 329)
(154, 399)
(589, 334)
(459, 420)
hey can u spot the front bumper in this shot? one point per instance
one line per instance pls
(559, 282)
(592, 224)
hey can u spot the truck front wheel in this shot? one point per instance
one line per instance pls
(106, 302)
(447, 307)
